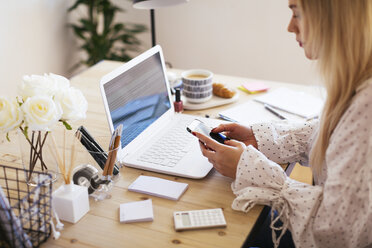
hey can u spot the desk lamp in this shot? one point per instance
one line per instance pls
(155, 4)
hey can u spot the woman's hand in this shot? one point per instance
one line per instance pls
(224, 157)
(237, 132)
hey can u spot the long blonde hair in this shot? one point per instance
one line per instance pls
(339, 32)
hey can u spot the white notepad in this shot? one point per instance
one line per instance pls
(158, 187)
(138, 211)
(295, 102)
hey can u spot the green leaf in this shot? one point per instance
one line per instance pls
(108, 19)
(7, 137)
(25, 132)
(118, 27)
(136, 28)
(89, 25)
(79, 31)
(68, 127)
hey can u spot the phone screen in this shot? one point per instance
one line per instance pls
(200, 127)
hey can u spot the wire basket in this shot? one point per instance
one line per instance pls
(25, 211)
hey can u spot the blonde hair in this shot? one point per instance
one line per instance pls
(339, 33)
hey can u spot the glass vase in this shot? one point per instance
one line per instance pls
(36, 153)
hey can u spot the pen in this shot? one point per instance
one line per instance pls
(224, 117)
(274, 112)
(116, 144)
(94, 149)
(99, 157)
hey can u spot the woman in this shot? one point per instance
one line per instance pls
(337, 210)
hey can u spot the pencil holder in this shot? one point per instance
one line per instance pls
(97, 151)
(71, 202)
(101, 167)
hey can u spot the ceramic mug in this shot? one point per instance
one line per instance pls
(197, 85)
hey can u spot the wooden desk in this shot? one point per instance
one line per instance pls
(101, 226)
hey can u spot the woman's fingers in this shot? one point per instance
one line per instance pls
(206, 151)
(209, 142)
(233, 143)
(224, 128)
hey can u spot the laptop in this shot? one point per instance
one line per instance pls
(154, 138)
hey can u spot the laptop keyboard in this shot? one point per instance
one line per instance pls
(171, 147)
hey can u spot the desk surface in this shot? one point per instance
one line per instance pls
(101, 226)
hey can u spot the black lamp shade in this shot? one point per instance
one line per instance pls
(156, 4)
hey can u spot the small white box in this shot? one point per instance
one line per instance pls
(71, 202)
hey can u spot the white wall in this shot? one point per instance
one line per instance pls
(236, 37)
(240, 37)
(33, 40)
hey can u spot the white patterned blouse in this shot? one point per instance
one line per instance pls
(337, 210)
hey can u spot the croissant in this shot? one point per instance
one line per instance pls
(222, 91)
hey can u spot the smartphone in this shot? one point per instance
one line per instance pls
(199, 126)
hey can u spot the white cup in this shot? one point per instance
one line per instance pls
(197, 85)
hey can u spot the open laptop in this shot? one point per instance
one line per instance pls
(154, 138)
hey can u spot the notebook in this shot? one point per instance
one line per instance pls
(253, 112)
(137, 95)
(294, 102)
(158, 187)
(138, 211)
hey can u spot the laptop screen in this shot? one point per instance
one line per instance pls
(137, 97)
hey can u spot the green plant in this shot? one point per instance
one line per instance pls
(101, 37)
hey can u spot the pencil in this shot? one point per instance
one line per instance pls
(113, 155)
(108, 161)
(271, 110)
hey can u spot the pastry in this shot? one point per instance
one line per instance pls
(222, 91)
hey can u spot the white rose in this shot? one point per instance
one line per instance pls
(37, 85)
(41, 112)
(73, 103)
(11, 115)
(61, 82)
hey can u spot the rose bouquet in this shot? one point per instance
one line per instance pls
(43, 101)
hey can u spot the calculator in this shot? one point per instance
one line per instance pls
(196, 219)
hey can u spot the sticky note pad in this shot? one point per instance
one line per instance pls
(254, 87)
(158, 187)
(139, 211)
(243, 89)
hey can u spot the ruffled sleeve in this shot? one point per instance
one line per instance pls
(261, 181)
(286, 142)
